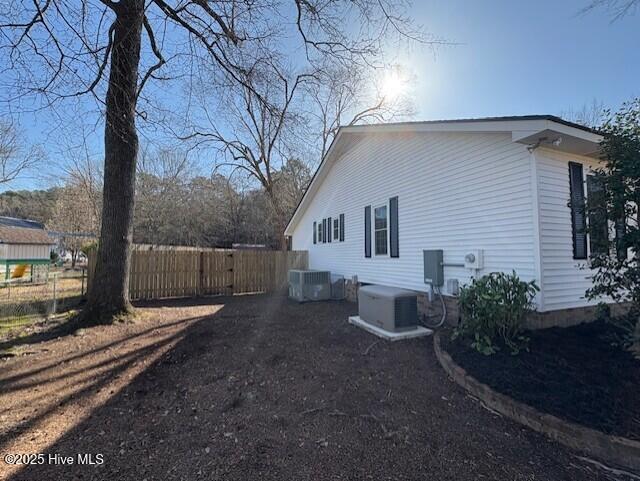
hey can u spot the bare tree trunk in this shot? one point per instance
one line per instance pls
(280, 223)
(109, 294)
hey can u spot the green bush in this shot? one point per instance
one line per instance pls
(493, 310)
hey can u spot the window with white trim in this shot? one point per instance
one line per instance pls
(336, 228)
(380, 230)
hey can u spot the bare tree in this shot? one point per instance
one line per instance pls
(591, 115)
(348, 96)
(266, 140)
(15, 158)
(60, 49)
(617, 8)
(255, 137)
(163, 198)
(85, 174)
(74, 217)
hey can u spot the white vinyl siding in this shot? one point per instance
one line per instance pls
(456, 191)
(24, 251)
(564, 278)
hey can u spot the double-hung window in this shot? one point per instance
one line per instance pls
(380, 230)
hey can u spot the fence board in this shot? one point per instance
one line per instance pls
(165, 273)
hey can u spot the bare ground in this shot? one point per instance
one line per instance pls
(257, 387)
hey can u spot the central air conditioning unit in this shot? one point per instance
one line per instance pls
(389, 308)
(308, 285)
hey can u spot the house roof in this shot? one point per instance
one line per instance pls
(509, 118)
(23, 231)
(525, 129)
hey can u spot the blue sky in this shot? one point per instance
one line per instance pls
(512, 58)
(523, 58)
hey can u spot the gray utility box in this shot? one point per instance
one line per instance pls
(308, 285)
(433, 268)
(389, 308)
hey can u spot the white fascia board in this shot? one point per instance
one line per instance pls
(473, 126)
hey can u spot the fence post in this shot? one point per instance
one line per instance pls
(55, 300)
(200, 273)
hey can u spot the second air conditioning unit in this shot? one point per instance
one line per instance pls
(309, 285)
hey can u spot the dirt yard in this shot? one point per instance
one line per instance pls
(256, 388)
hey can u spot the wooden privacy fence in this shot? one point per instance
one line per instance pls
(163, 273)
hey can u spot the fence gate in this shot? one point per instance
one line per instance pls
(216, 273)
(163, 273)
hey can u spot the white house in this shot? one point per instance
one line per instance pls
(498, 187)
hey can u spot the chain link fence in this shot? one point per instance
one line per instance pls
(46, 293)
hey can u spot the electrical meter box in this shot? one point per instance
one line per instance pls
(433, 269)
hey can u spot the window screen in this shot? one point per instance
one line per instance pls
(598, 224)
(380, 230)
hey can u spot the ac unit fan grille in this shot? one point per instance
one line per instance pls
(319, 277)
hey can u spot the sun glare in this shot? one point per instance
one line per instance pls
(393, 85)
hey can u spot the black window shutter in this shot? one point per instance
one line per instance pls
(367, 231)
(315, 232)
(329, 229)
(578, 220)
(324, 231)
(341, 227)
(394, 248)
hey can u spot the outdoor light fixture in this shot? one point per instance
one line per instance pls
(544, 140)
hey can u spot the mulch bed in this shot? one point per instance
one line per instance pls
(259, 388)
(576, 373)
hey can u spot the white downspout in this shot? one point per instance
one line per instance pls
(537, 234)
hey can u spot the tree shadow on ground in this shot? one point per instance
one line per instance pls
(48, 330)
(273, 390)
(42, 397)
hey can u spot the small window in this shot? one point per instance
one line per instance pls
(319, 232)
(597, 214)
(380, 230)
(336, 229)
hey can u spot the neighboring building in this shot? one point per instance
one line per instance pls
(23, 243)
(499, 187)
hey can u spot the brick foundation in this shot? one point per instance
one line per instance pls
(535, 320)
(433, 308)
(569, 317)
